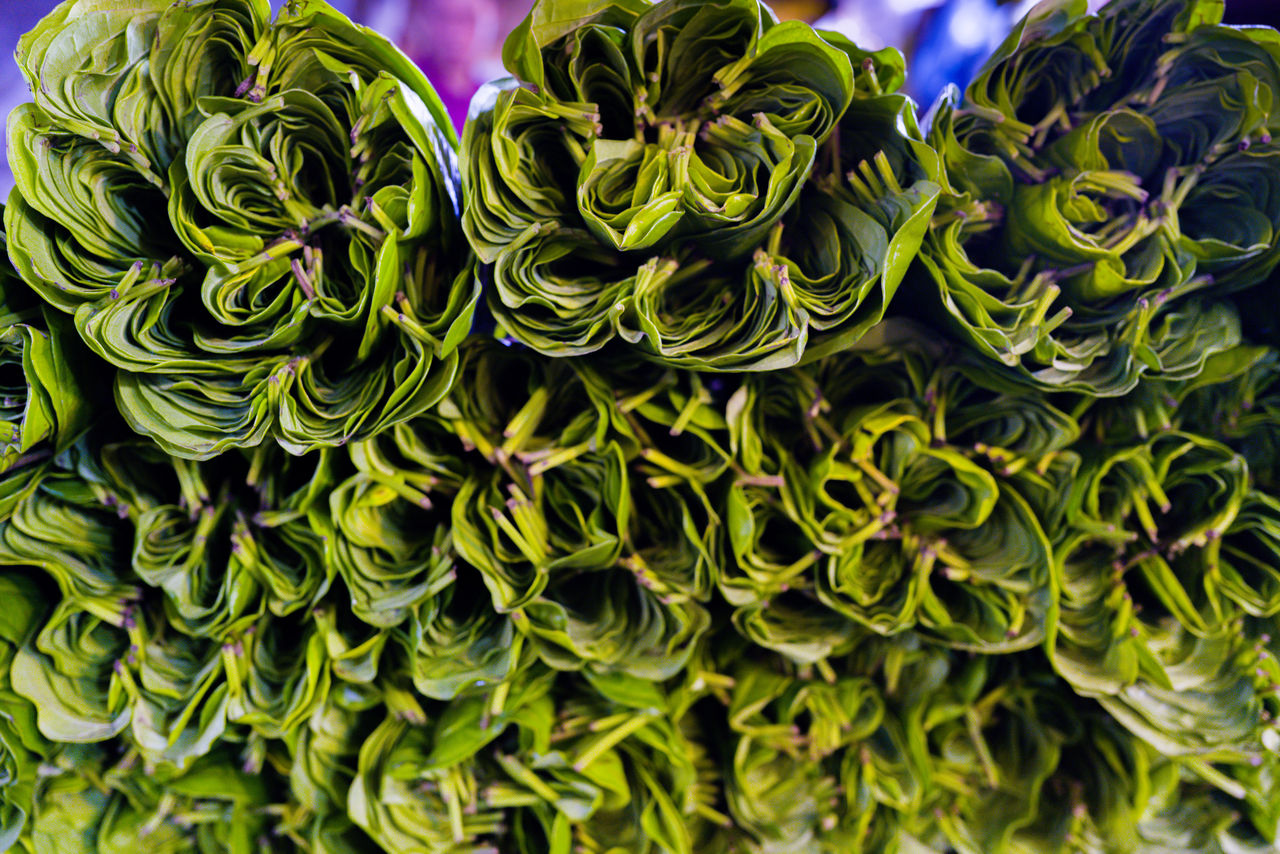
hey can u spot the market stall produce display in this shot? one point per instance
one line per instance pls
(701, 454)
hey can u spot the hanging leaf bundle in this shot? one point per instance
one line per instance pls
(702, 457)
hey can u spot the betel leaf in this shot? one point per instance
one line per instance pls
(272, 248)
(917, 492)
(718, 189)
(47, 397)
(1105, 193)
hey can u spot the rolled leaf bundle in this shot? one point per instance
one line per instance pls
(74, 616)
(568, 518)
(1163, 640)
(1244, 412)
(59, 525)
(180, 595)
(45, 398)
(388, 537)
(1154, 513)
(1090, 779)
(551, 558)
(278, 674)
(942, 752)
(695, 179)
(71, 671)
(106, 804)
(675, 541)
(22, 747)
(255, 221)
(1105, 193)
(411, 782)
(323, 755)
(179, 700)
(853, 500)
(223, 540)
(778, 568)
(354, 648)
(782, 789)
(549, 527)
(525, 779)
(1185, 813)
(1006, 743)
(458, 644)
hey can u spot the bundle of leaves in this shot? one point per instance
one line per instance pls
(806, 483)
(1111, 179)
(694, 179)
(254, 221)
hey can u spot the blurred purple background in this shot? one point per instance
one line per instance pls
(459, 42)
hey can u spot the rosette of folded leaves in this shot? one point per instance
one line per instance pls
(323, 756)
(889, 781)
(224, 541)
(994, 737)
(559, 769)
(640, 768)
(1020, 764)
(1100, 786)
(387, 529)
(91, 677)
(1106, 192)
(184, 597)
(1244, 412)
(851, 504)
(178, 689)
(190, 695)
(389, 533)
(1235, 402)
(1209, 404)
(44, 402)
(56, 523)
(676, 418)
(792, 739)
(416, 788)
(278, 673)
(22, 747)
(920, 748)
(354, 648)
(456, 643)
(1160, 639)
(646, 176)
(1155, 514)
(68, 557)
(549, 526)
(71, 668)
(255, 221)
(1185, 813)
(108, 803)
(1020, 435)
